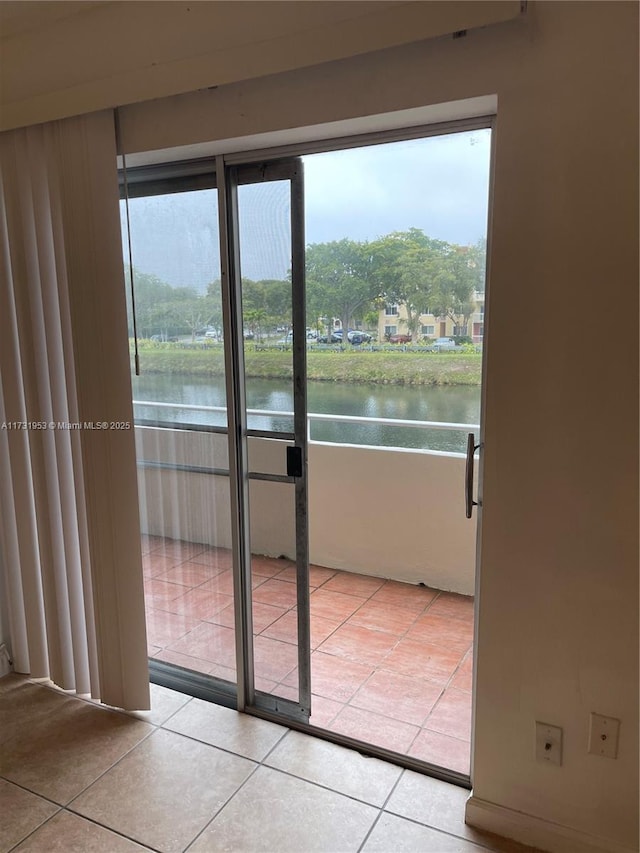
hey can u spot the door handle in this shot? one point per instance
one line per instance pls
(468, 475)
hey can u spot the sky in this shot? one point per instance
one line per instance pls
(439, 184)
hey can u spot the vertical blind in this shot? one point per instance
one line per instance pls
(68, 491)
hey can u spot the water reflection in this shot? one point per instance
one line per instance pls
(455, 404)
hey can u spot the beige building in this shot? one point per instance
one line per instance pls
(392, 320)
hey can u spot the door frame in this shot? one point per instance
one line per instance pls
(229, 178)
(201, 685)
(483, 122)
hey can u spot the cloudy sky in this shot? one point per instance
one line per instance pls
(439, 185)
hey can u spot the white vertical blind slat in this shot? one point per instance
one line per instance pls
(83, 625)
(102, 370)
(11, 554)
(41, 281)
(24, 576)
(68, 572)
(68, 363)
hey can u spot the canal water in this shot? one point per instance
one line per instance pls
(452, 404)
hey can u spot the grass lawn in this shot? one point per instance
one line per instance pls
(393, 368)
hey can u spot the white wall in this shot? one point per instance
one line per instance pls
(102, 54)
(558, 631)
(391, 513)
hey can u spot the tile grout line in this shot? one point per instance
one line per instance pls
(142, 740)
(105, 827)
(59, 809)
(238, 789)
(479, 843)
(262, 762)
(381, 811)
(348, 618)
(385, 810)
(400, 637)
(376, 668)
(324, 787)
(66, 808)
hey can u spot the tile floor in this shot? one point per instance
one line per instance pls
(390, 662)
(192, 776)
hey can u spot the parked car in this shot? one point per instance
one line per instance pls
(334, 339)
(354, 336)
(400, 339)
(443, 344)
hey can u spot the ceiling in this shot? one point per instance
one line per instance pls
(66, 58)
(20, 16)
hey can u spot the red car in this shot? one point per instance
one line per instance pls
(400, 339)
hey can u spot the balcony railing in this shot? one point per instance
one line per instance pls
(394, 512)
(312, 417)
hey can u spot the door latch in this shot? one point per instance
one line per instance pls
(294, 462)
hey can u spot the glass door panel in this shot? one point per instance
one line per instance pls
(264, 219)
(175, 325)
(274, 588)
(396, 259)
(269, 288)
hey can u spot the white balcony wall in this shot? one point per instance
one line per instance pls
(392, 513)
(387, 512)
(179, 504)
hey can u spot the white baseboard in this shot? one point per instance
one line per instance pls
(535, 832)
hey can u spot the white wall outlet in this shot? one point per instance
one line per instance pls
(603, 735)
(548, 743)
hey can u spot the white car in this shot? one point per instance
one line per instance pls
(444, 343)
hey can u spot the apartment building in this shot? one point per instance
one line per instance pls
(392, 320)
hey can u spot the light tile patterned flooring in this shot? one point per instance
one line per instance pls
(390, 662)
(190, 775)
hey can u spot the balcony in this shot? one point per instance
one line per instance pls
(391, 577)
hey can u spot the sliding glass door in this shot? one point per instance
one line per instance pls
(379, 630)
(262, 246)
(223, 494)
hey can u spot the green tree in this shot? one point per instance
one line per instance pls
(266, 302)
(150, 292)
(341, 280)
(411, 266)
(462, 275)
(214, 297)
(430, 276)
(194, 311)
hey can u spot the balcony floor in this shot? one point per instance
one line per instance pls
(391, 663)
